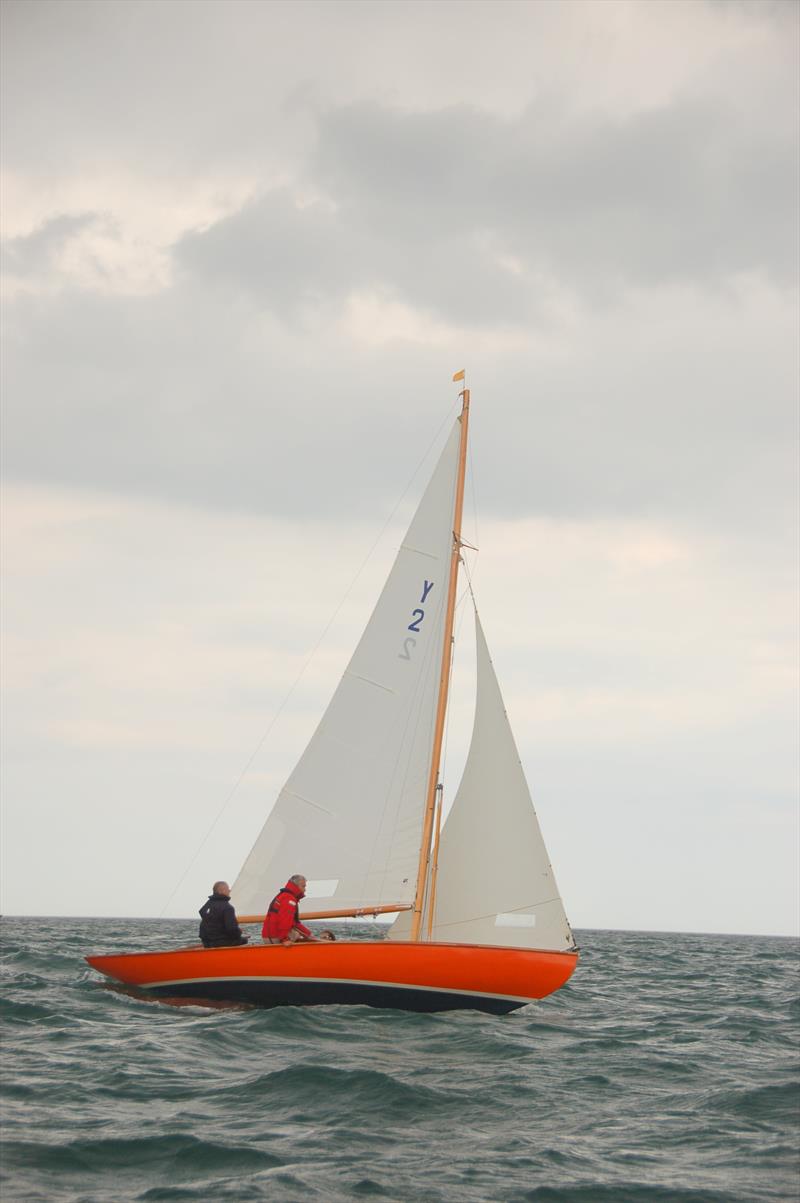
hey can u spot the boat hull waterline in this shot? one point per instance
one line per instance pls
(408, 976)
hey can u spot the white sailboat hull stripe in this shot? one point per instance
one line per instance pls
(335, 981)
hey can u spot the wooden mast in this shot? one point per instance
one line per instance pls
(444, 679)
(434, 861)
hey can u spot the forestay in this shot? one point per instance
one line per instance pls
(495, 884)
(350, 816)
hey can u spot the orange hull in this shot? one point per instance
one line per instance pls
(409, 976)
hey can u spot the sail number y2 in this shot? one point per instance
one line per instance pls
(417, 617)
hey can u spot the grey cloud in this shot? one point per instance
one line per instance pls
(285, 256)
(289, 258)
(233, 386)
(682, 193)
(181, 397)
(35, 254)
(192, 88)
(430, 208)
(190, 396)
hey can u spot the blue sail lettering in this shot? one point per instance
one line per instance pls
(417, 617)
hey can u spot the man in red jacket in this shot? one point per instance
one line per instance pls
(282, 922)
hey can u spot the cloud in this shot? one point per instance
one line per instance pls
(248, 245)
(91, 251)
(127, 82)
(638, 663)
(677, 402)
(471, 218)
(286, 256)
(35, 253)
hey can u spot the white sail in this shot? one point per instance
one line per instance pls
(350, 816)
(495, 884)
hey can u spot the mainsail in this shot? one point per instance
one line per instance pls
(495, 884)
(350, 816)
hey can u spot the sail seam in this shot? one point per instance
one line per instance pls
(368, 681)
(308, 801)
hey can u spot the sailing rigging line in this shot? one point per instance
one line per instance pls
(460, 611)
(474, 505)
(444, 679)
(469, 585)
(429, 901)
(459, 602)
(448, 417)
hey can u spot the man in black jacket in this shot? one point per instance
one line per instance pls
(218, 925)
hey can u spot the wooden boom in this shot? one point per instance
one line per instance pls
(352, 913)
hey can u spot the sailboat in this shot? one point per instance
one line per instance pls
(480, 922)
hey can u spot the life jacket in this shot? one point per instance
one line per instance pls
(275, 907)
(282, 913)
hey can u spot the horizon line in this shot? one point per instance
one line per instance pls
(645, 931)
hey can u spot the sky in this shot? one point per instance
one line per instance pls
(245, 247)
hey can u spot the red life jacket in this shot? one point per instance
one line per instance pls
(282, 914)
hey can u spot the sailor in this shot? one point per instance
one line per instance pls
(282, 921)
(218, 925)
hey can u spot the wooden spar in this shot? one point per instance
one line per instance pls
(435, 860)
(447, 655)
(347, 913)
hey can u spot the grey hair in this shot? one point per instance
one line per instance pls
(297, 878)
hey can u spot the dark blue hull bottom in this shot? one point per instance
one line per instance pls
(266, 993)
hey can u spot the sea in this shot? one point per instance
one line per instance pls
(666, 1071)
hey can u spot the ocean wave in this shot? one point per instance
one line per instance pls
(624, 1192)
(778, 1101)
(666, 1072)
(186, 1156)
